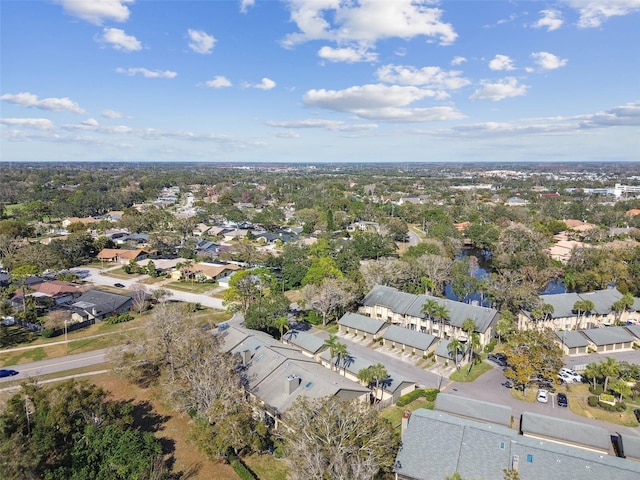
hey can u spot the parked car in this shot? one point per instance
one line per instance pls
(119, 285)
(7, 373)
(543, 396)
(575, 376)
(565, 377)
(508, 383)
(636, 412)
(498, 358)
(562, 400)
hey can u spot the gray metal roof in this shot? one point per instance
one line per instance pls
(572, 339)
(631, 446)
(392, 298)
(442, 350)
(362, 323)
(476, 409)
(304, 340)
(410, 338)
(608, 335)
(436, 444)
(567, 431)
(562, 304)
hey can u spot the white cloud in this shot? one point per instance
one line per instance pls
(625, 115)
(96, 11)
(90, 122)
(347, 55)
(550, 19)
(366, 21)
(430, 77)
(147, 73)
(548, 61)
(111, 114)
(332, 125)
(506, 88)
(501, 62)
(119, 40)
(37, 123)
(27, 99)
(458, 61)
(218, 81)
(245, 4)
(265, 84)
(285, 134)
(380, 102)
(201, 42)
(594, 12)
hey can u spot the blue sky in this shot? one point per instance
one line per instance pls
(320, 80)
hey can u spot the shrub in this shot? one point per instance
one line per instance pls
(242, 471)
(593, 400)
(490, 346)
(314, 318)
(122, 318)
(47, 332)
(597, 390)
(429, 393)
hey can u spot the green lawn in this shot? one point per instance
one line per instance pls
(394, 413)
(462, 375)
(266, 466)
(191, 287)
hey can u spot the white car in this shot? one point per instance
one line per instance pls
(575, 376)
(565, 377)
(543, 396)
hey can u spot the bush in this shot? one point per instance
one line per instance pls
(490, 346)
(429, 393)
(242, 471)
(314, 318)
(598, 390)
(593, 400)
(122, 318)
(47, 332)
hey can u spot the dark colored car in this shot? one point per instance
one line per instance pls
(562, 400)
(636, 412)
(8, 373)
(499, 358)
(119, 285)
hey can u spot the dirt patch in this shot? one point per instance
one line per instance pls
(173, 428)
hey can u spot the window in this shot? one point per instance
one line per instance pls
(529, 458)
(502, 445)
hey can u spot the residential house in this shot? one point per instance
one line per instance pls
(122, 255)
(278, 374)
(356, 325)
(415, 343)
(475, 442)
(87, 221)
(573, 342)
(610, 339)
(566, 317)
(405, 309)
(58, 291)
(310, 345)
(96, 305)
(206, 272)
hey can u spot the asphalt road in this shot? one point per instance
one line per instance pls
(55, 365)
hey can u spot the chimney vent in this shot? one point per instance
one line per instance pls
(291, 383)
(405, 421)
(246, 357)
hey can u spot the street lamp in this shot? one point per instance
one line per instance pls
(66, 342)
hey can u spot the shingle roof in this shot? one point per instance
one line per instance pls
(563, 303)
(442, 350)
(436, 444)
(304, 340)
(103, 302)
(475, 409)
(362, 323)
(572, 339)
(608, 335)
(410, 304)
(634, 329)
(567, 431)
(410, 338)
(631, 446)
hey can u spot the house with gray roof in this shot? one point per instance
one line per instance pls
(309, 344)
(566, 317)
(409, 340)
(97, 305)
(572, 342)
(609, 339)
(566, 432)
(277, 374)
(436, 444)
(356, 324)
(391, 388)
(634, 330)
(405, 309)
(443, 355)
(475, 409)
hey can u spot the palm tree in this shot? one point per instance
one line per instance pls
(332, 344)
(621, 305)
(455, 348)
(429, 285)
(282, 324)
(505, 324)
(593, 372)
(474, 345)
(468, 326)
(379, 374)
(442, 314)
(609, 368)
(430, 307)
(582, 306)
(365, 375)
(341, 357)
